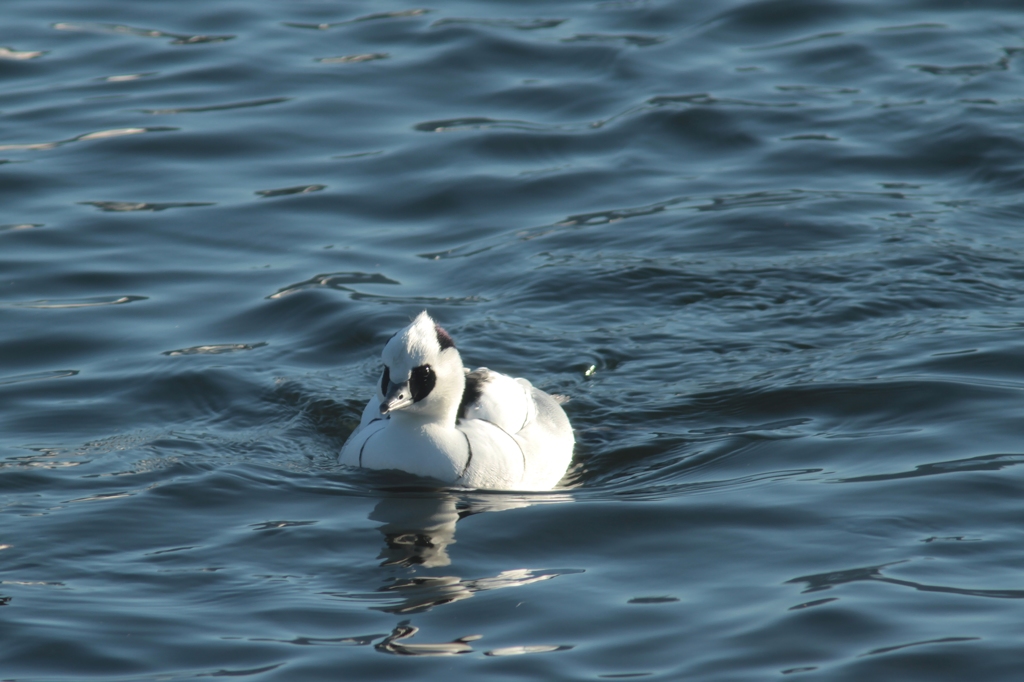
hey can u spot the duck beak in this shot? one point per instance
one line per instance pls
(399, 397)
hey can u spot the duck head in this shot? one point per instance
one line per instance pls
(423, 375)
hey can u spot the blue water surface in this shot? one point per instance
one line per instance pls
(770, 249)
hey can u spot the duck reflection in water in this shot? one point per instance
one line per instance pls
(420, 525)
(418, 530)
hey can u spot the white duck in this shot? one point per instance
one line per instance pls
(432, 417)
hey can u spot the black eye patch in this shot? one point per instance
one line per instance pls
(421, 383)
(385, 380)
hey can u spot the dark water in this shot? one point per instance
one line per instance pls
(771, 250)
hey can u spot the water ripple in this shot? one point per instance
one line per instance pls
(924, 26)
(636, 40)
(968, 70)
(98, 135)
(218, 107)
(339, 282)
(285, 191)
(38, 376)
(416, 595)
(653, 600)
(129, 206)
(126, 77)
(17, 227)
(704, 99)
(240, 672)
(528, 649)
(122, 29)
(814, 137)
(474, 123)
(376, 16)
(956, 466)
(354, 58)
(396, 643)
(722, 202)
(357, 640)
(94, 302)
(216, 349)
(334, 280)
(826, 581)
(925, 642)
(518, 24)
(20, 55)
(797, 41)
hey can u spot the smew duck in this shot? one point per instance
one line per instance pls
(432, 417)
